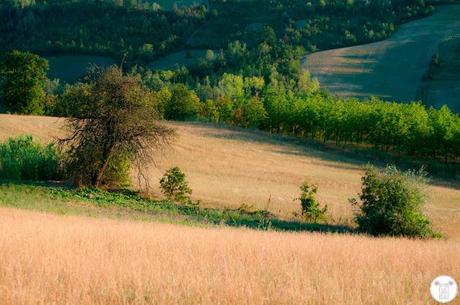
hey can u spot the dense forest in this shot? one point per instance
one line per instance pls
(96, 28)
(250, 36)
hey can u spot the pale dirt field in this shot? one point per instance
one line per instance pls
(390, 69)
(229, 167)
(68, 260)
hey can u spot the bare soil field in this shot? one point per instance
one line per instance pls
(230, 167)
(50, 259)
(390, 69)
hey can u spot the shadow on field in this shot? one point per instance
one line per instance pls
(62, 197)
(290, 226)
(350, 155)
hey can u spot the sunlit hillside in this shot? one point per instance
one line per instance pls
(230, 167)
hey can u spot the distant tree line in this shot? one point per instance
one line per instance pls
(290, 107)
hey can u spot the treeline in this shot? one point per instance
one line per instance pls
(409, 129)
(303, 110)
(290, 107)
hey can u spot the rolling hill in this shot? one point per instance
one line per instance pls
(441, 83)
(230, 167)
(391, 69)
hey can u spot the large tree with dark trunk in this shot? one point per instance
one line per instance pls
(117, 129)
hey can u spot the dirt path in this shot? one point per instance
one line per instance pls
(390, 69)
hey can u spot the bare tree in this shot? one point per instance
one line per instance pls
(117, 128)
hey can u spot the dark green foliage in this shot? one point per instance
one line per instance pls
(67, 104)
(97, 27)
(24, 77)
(253, 36)
(311, 210)
(22, 158)
(390, 203)
(116, 128)
(175, 186)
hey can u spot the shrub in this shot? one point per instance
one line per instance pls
(311, 209)
(390, 203)
(23, 158)
(174, 185)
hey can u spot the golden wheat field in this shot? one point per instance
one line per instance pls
(229, 167)
(47, 259)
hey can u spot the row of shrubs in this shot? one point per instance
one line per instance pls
(389, 203)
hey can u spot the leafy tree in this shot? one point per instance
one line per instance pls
(225, 110)
(183, 104)
(68, 105)
(390, 203)
(306, 84)
(311, 209)
(446, 131)
(175, 186)
(231, 86)
(250, 114)
(24, 81)
(209, 111)
(115, 130)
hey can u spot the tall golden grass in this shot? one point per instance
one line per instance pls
(46, 259)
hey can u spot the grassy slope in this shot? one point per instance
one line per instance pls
(178, 59)
(229, 167)
(70, 68)
(48, 259)
(392, 68)
(129, 205)
(442, 84)
(169, 4)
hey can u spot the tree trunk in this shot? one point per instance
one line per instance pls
(105, 165)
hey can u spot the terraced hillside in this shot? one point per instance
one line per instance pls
(390, 69)
(231, 167)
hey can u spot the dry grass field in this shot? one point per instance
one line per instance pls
(47, 259)
(229, 167)
(390, 69)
